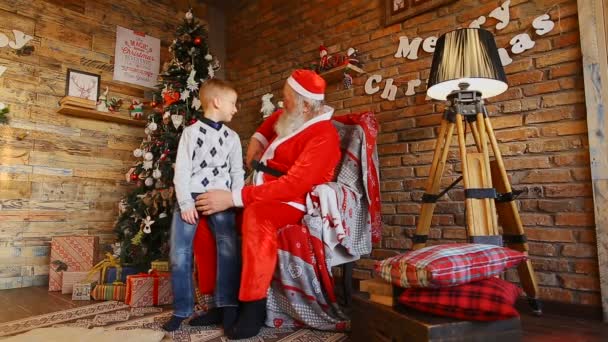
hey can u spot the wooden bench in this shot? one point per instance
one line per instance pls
(376, 322)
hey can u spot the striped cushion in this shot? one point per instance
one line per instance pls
(447, 265)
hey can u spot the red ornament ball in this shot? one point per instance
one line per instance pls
(134, 177)
(192, 121)
(197, 41)
(153, 104)
(167, 151)
(163, 157)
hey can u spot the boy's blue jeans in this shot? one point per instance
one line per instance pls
(223, 228)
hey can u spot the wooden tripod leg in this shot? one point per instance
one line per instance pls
(492, 223)
(433, 182)
(471, 227)
(509, 219)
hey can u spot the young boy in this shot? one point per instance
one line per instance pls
(209, 157)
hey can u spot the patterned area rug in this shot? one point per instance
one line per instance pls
(116, 315)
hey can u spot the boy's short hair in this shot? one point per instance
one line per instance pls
(212, 88)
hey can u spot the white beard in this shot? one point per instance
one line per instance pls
(289, 122)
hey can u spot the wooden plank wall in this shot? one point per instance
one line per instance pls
(62, 175)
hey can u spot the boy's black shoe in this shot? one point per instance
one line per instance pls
(212, 317)
(173, 323)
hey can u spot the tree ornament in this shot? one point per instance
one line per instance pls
(156, 174)
(152, 126)
(148, 156)
(192, 121)
(134, 177)
(138, 152)
(177, 120)
(147, 165)
(197, 41)
(196, 103)
(267, 105)
(163, 157)
(191, 83)
(147, 131)
(189, 16)
(208, 57)
(149, 181)
(167, 115)
(167, 151)
(147, 223)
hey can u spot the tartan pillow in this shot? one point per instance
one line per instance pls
(485, 300)
(447, 265)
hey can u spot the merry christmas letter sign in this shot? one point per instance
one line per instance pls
(136, 58)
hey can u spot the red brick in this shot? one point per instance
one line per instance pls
(387, 138)
(547, 115)
(529, 219)
(526, 77)
(392, 149)
(518, 66)
(572, 159)
(581, 174)
(381, 254)
(390, 161)
(391, 185)
(564, 128)
(555, 145)
(579, 250)
(506, 121)
(546, 176)
(400, 173)
(443, 220)
(589, 298)
(564, 205)
(579, 282)
(568, 190)
(565, 40)
(521, 133)
(409, 208)
(527, 163)
(386, 31)
(550, 265)
(556, 294)
(566, 69)
(542, 249)
(401, 243)
(387, 209)
(542, 88)
(550, 234)
(563, 98)
(575, 219)
(587, 235)
(454, 233)
(585, 266)
(561, 56)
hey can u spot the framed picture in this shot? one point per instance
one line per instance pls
(82, 84)
(398, 10)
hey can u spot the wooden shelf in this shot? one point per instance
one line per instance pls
(67, 109)
(337, 74)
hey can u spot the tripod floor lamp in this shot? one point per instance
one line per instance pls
(466, 69)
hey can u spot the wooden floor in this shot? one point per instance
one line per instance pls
(21, 303)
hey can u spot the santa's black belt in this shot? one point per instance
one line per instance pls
(266, 169)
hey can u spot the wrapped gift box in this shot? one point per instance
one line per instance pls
(160, 266)
(82, 291)
(112, 274)
(78, 253)
(149, 289)
(69, 279)
(109, 292)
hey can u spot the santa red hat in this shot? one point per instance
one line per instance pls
(307, 83)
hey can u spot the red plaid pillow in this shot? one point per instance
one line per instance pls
(447, 265)
(485, 300)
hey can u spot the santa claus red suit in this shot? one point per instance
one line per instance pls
(307, 157)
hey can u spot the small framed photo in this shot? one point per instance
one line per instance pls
(82, 84)
(398, 10)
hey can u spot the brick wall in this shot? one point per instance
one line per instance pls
(539, 122)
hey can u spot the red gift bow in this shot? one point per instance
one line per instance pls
(155, 275)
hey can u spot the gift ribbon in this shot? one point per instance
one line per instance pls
(155, 285)
(102, 266)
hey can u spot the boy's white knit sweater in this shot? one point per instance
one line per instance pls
(207, 158)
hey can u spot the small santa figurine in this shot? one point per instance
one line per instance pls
(352, 58)
(136, 109)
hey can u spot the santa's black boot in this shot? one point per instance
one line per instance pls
(252, 316)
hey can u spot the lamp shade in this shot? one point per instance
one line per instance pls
(469, 56)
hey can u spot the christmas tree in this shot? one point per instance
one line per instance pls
(144, 222)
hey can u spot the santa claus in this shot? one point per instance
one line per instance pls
(294, 150)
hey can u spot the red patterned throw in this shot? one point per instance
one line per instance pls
(78, 253)
(149, 289)
(485, 300)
